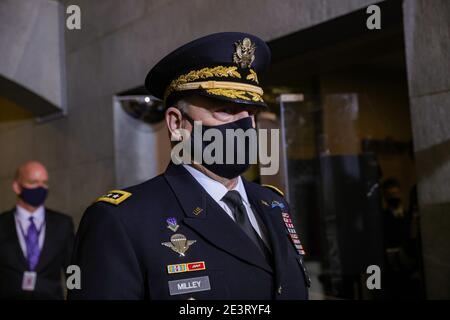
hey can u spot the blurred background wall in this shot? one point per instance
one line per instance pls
(427, 40)
(120, 41)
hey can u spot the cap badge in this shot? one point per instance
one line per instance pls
(245, 53)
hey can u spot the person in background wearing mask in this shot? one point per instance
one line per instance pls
(35, 242)
(199, 230)
(398, 239)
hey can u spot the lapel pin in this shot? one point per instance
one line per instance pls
(179, 243)
(197, 211)
(172, 224)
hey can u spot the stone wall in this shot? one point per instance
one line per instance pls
(427, 37)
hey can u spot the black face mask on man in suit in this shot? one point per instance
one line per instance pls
(34, 196)
(240, 162)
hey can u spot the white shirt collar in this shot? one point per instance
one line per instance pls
(214, 188)
(241, 189)
(24, 215)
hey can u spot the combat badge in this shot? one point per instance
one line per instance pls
(179, 243)
(172, 224)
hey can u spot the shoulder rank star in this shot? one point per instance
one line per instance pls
(115, 197)
(179, 243)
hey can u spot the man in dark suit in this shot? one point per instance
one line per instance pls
(200, 230)
(35, 242)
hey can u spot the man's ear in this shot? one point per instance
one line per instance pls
(16, 187)
(173, 122)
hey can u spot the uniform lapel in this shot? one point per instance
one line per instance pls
(274, 225)
(208, 219)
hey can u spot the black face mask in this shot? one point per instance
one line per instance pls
(35, 196)
(223, 169)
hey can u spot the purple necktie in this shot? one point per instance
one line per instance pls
(32, 241)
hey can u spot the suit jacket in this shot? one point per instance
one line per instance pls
(120, 249)
(53, 260)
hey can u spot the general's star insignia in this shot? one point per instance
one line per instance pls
(115, 197)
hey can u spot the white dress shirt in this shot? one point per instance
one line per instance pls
(217, 191)
(22, 217)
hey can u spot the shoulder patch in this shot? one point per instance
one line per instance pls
(273, 188)
(115, 197)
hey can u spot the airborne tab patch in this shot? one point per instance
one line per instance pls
(115, 197)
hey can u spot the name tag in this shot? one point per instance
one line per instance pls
(189, 285)
(29, 280)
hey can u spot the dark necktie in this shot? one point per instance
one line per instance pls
(32, 242)
(234, 201)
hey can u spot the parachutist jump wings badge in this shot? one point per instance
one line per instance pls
(179, 244)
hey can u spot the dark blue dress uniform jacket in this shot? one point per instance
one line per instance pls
(119, 250)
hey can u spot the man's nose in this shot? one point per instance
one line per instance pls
(241, 114)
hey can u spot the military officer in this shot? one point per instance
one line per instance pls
(197, 231)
